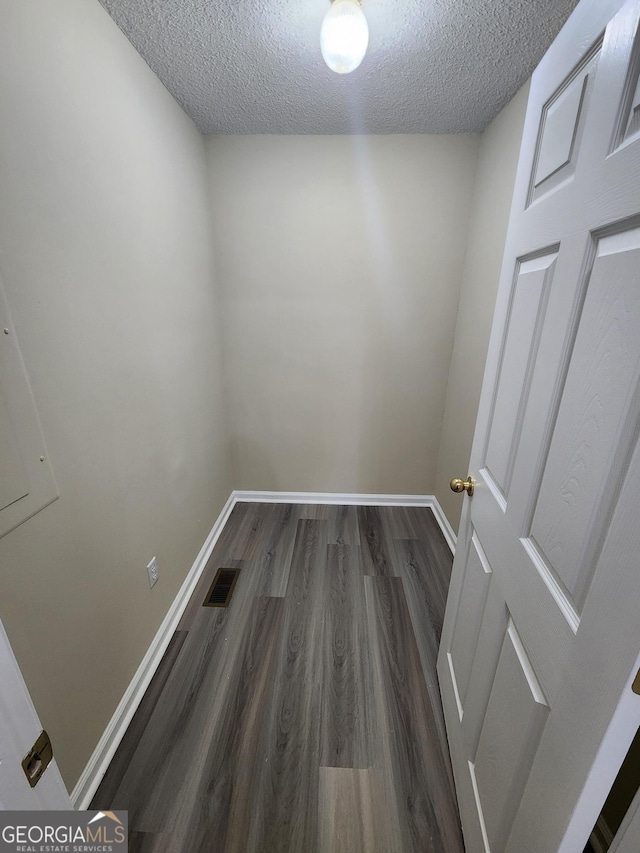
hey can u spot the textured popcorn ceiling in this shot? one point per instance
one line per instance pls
(254, 66)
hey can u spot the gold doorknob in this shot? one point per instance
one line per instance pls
(458, 485)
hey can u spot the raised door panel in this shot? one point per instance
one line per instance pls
(630, 125)
(526, 316)
(561, 123)
(633, 122)
(561, 128)
(513, 724)
(485, 663)
(633, 125)
(595, 428)
(469, 619)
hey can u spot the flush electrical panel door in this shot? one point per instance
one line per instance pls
(27, 483)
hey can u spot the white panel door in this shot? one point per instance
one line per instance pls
(19, 729)
(542, 628)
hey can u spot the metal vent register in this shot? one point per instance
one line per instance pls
(221, 589)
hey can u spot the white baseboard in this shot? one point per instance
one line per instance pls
(354, 499)
(443, 521)
(92, 775)
(339, 498)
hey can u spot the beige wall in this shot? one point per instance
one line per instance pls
(495, 177)
(340, 261)
(106, 260)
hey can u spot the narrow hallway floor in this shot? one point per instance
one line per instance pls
(306, 716)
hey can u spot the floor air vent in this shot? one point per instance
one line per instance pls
(221, 590)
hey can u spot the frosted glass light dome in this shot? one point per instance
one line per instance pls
(344, 36)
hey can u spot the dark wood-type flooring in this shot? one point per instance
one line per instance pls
(306, 716)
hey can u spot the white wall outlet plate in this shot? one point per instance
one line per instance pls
(152, 571)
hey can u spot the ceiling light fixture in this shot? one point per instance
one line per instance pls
(344, 36)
